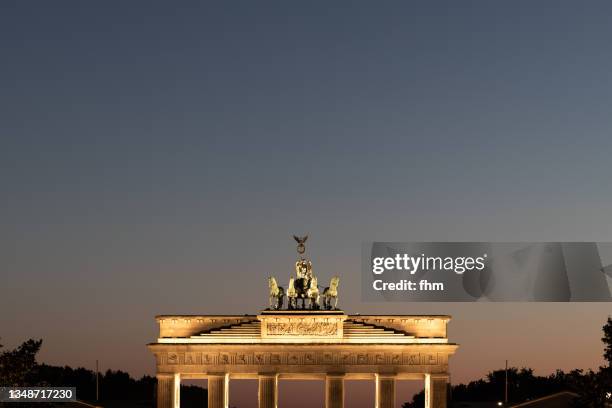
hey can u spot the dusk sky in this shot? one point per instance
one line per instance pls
(157, 157)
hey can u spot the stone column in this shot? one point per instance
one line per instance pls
(168, 390)
(385, 391)
(334, 391)
(435, 390)
(268, 391)
(218, 390)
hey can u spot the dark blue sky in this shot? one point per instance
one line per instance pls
(252, 100)
(155, 157)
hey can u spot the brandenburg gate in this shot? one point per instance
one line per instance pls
(311, 340)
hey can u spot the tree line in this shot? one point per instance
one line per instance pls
(18, 368)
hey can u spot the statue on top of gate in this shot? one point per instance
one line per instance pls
(303, 291)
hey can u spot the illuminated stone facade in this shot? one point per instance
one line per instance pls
(324, 345)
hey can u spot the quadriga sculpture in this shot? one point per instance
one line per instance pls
(303, 287)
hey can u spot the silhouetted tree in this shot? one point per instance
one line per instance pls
(607, 340)
(193, 396)
(82, 379)
(16, 365)
(593, 387)
(522, 385)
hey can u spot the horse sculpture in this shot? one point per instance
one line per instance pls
(291, 295)
(277, 294)
(331, 293)
(313, 293)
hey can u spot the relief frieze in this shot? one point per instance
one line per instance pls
(299, 358)
(302, 328)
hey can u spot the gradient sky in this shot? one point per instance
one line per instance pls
(156, 157)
